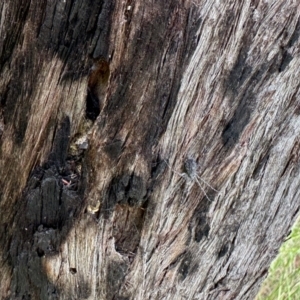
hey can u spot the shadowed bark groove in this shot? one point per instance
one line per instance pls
(148, 150)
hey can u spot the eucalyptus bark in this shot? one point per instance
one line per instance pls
(148, 150)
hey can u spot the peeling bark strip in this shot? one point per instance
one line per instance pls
(148, 150)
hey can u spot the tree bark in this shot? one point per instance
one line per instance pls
(148, 150)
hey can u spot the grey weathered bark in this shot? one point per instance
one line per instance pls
(148, 150)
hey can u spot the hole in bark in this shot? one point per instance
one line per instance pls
(40, 252)
(97, 84)
(92, 106)
(73, 271)
(223, 251)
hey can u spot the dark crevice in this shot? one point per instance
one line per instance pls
(92, 106)
(97, 85)
(40, 252)
(185, 265)
(224, 249)
(238, 122)
(158, 166)
(260, 166)
(295, 35)
(285, 61)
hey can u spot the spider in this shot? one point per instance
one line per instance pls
(190, 171)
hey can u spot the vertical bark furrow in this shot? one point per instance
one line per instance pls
(155, 143)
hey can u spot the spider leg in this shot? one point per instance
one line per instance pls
(199, 184)
(207, 184)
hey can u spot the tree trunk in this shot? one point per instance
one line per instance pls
(149, 150)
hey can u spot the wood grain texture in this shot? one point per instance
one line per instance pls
(185, 181)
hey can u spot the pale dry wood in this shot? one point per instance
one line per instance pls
(211, 81)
